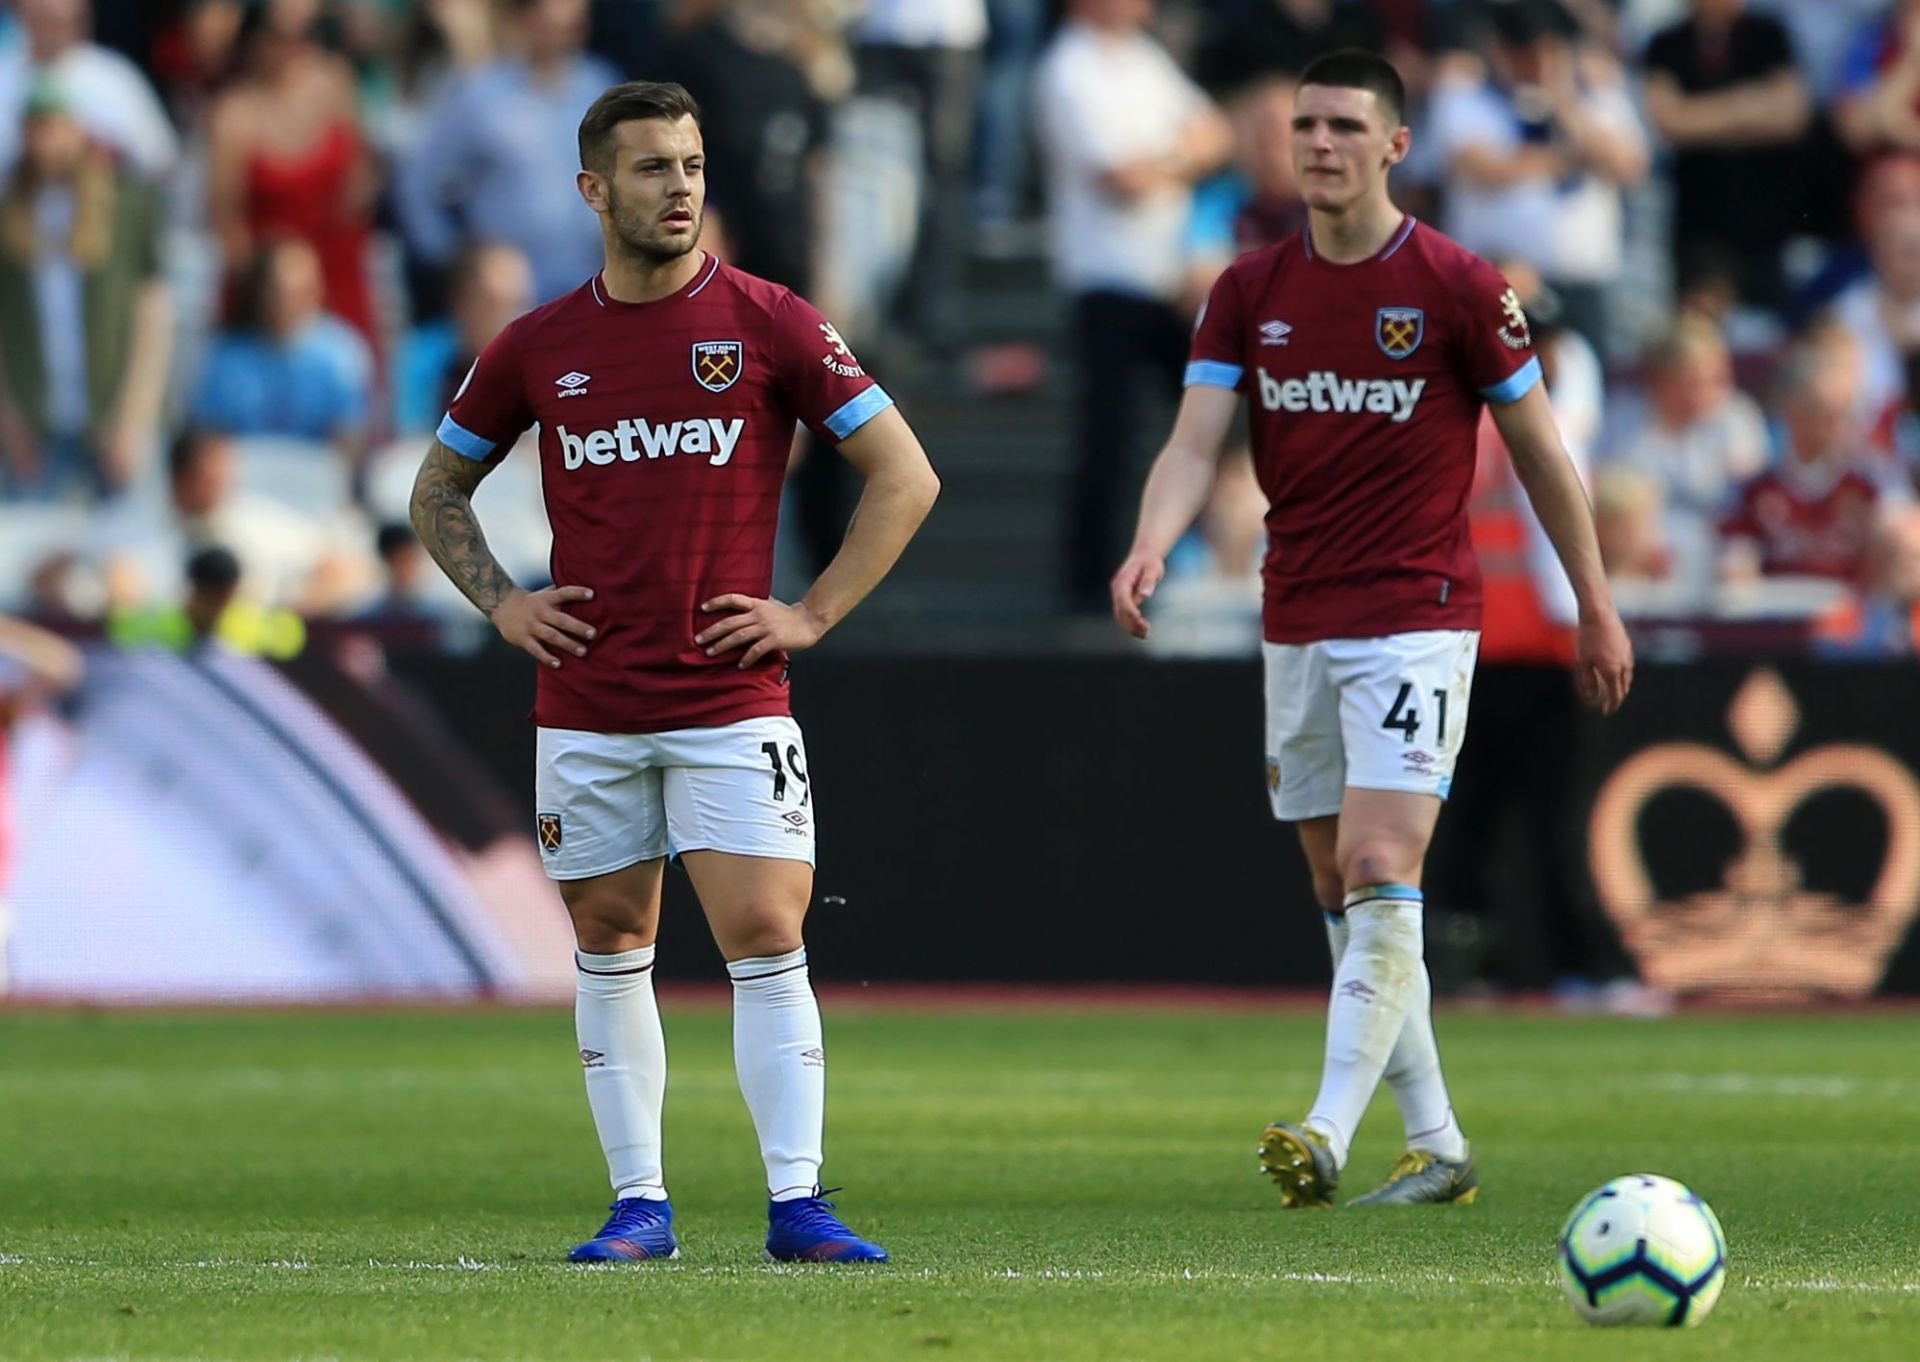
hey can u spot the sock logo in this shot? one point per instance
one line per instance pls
(1358, 990)
(816, 1058)
(593, 1059)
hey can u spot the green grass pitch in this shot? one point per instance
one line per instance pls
(1053, 1185)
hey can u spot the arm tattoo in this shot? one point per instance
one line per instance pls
(442, 513)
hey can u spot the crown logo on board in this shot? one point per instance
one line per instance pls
(1762, 930)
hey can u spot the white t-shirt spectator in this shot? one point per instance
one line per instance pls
(112, 99)
(1702, 468)
(1862, 310)
(1102, 100)
(1568, 229)
(924, 23)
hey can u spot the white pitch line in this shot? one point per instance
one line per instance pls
(1050, 1274)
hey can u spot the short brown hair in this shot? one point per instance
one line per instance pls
(1355, 68)
(623, 103)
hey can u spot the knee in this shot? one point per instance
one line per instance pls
(1376, 862)
(607, 922)
(1329, 890)
(759, 935)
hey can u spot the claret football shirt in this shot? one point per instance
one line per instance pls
(664, 433)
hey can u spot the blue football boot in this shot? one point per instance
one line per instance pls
(806, 1230)
(637, 1230)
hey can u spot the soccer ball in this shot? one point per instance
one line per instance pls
(1643, 1250)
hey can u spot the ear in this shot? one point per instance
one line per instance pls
(593, 188)
(1399, 144)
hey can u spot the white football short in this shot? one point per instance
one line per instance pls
(1372, 713)
(607, 800)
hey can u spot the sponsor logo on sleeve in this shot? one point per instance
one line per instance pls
(1514, 334)
(838, 358)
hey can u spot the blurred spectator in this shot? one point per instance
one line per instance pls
(1883, 620)
(408, 574)
(286, 159)
(765, 132)
(1278, 38)
(196, 55)
(83, 310)
(1876, 101)
(34, 665)
(1256, 201)
(1530, 606)
(1882, 310)
(1630, 518)
(1811, 515)
(1126, 135)
(1253, 203)
(1702, 439)
(924, 56)
(213, 610)
(501, 148)
(1536, 155)
(1526, 711)
(411, 51)
(492, 284)
(111, 97)
(1896, 436)
(301, 558)
(1015, 32)
(287, 368)
(1724, 91)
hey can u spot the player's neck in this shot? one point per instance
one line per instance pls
(1359, 232)
(636, 279)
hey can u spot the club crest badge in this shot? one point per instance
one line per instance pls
(1399, 330)
(717, 364)
(548, 826)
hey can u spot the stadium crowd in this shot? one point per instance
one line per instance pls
(249, 248)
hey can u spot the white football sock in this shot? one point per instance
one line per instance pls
(624, 1055)
(1413, 1072)
(1413, 1069)
(1371, 991)
(782, 1064)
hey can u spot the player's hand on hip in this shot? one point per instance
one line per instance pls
(538, 622)
(1132, 585)
(759, 626)
(1603, 662)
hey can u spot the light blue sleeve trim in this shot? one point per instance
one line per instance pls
(1515, 385)
(859, 409)
(461, 440)
(1213, 373)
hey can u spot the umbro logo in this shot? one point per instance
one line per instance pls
(1358, 990)
(815, 1058)
(573, 383)
(593, 1059)
(1274, 333)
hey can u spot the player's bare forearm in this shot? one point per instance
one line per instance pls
(1602, 653)
(1183, 472)
(442, 513)
(901, 489)
(1553, 487)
